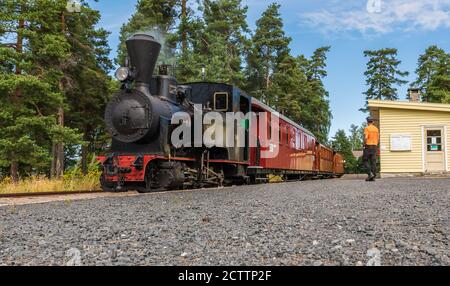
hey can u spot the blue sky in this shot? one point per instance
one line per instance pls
(349, 27)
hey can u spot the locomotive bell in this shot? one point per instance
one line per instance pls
(143, 52)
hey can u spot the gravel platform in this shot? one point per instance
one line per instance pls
(326, 222)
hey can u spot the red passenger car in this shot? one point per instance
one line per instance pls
(299, 153)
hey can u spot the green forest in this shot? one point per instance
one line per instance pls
(55, 75)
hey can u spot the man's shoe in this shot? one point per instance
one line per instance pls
(371, 178)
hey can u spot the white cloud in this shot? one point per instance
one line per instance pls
(394, 15)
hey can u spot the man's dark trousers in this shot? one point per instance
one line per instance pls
(370, 159)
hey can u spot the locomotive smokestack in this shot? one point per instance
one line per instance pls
(143, 52)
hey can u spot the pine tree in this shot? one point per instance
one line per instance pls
(433, 75)
(216, 43)
(269, 48)
(356, 137)
(297, 91)
(293, 86)
(155, 17)
(316, 114)
(287, 88)
(342, 144)
(383, 75)
(90, 85)
(30, 84)
(189, 58)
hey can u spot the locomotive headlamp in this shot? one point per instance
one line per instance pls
(122, 73)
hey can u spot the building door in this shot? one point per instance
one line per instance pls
(434, 150)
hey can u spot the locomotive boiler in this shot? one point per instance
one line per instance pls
(142, 156)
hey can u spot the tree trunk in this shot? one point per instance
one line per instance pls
(59, 160)
(14, 167)
(59, 165)
(85, 150)
(183, 33)
(267, 75)
(53, 165)
(14, 171)
(84, 159)
(59, 148)
(19, 43)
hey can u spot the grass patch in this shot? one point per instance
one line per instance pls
(73, 180)
(40, 184)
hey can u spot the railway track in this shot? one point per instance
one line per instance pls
(21, 195)
(46, 197)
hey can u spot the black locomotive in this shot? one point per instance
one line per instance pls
(139, 120)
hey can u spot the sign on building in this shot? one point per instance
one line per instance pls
(400, 142)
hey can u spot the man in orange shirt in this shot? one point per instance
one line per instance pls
(371, 139)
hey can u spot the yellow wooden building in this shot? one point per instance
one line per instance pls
(414, 137)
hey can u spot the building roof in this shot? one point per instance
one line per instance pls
(377, 104)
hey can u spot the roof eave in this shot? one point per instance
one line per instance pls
(424, 106)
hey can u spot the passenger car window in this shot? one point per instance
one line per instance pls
(280, 134)
(287, 135)
(297, 140)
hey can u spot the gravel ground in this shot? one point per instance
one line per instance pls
(329, 222)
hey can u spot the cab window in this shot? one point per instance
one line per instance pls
(221, 101)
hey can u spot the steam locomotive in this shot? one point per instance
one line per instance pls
(143, 157)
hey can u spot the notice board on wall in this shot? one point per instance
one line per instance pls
(401, 142)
